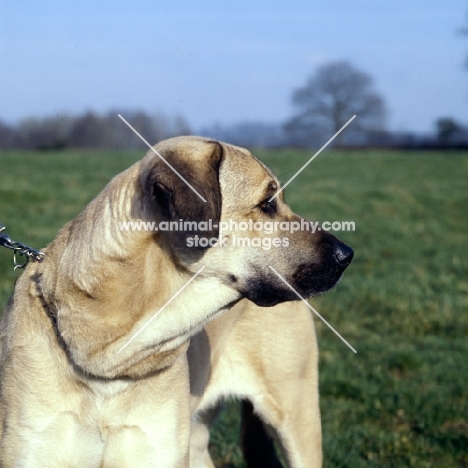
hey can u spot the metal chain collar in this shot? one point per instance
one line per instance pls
(19, 249)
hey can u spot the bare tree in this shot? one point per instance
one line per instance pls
(330, 98)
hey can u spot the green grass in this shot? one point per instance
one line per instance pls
(402, 400)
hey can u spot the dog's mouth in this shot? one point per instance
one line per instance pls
(267, 292)
(271, 286)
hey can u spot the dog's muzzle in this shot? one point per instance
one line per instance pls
(312, 274)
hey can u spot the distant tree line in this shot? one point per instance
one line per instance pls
(329, 98)
(90, 130)
(263, 135)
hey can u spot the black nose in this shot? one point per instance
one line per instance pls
(343, 254)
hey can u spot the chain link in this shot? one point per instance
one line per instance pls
(19, 249)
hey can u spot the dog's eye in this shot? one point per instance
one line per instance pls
(268, 207)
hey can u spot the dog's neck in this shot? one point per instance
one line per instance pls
(94, 271)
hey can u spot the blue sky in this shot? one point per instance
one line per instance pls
(218, 61)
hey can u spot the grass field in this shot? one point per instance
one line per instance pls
(402, 400)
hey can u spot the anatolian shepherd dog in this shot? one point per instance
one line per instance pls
(109, 358)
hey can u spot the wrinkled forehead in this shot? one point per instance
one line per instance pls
(244, 179)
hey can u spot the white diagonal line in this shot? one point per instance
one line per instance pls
(312, 158)
(312, 309)
(160, 310)
(160, 157)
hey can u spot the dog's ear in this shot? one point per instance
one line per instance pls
(182, 181)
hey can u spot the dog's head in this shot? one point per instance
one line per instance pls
(103, 284)
(218, 200)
